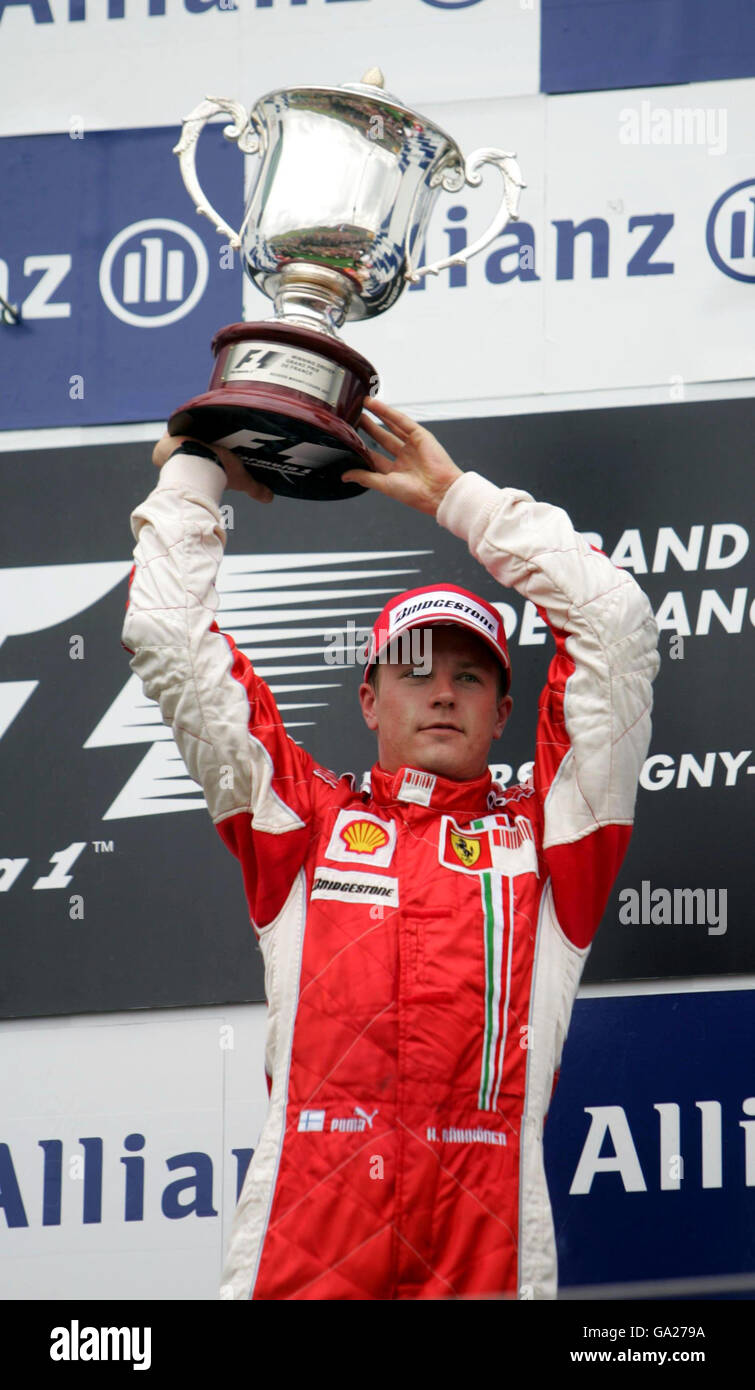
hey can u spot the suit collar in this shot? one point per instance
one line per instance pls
(415, 787)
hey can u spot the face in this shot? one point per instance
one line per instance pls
(441, 717)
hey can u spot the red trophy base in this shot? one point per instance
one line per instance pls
(286, 400)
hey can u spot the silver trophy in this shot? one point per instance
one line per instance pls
(333, 230)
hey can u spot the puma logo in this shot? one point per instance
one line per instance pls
(363, 1113)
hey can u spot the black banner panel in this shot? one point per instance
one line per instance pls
(115, 890)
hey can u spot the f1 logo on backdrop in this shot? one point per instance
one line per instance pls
(730, 233)
(153, 272)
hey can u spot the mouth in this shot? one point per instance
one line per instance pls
(440, 728)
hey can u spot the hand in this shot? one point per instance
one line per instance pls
(419, 473)
(237, 477)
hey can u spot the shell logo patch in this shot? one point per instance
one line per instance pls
(360, 837)
(466, 848)
(364, 836)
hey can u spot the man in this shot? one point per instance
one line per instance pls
(423, 937)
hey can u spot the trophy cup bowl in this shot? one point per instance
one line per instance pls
(347, 180)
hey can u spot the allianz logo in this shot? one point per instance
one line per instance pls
(95, 1185)
(594, 248)
(78, 12)
(620, 1165)
(92, 1183)
(154, 272)
(152, 263)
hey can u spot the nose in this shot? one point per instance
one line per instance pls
(442, 689)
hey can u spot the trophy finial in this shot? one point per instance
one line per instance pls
(373, 78)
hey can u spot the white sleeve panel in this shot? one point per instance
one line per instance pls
(611, 637)
(183, 664)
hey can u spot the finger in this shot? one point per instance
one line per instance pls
(407, 429)
(166, 446)
(381, 436)
(228, 458)
(258, 491)
(380, 462)
(241, 479)
(375, 481)
(401, 424)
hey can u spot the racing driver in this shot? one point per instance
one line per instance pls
(424, 933)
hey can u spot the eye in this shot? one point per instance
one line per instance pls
(469, 676)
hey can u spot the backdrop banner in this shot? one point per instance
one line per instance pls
(638, 274)
(125, 1141)
(645, 43)
(650, 1145)
(105, 258)
(175, 51)
(116, 891)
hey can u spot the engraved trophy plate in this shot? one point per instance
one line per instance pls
(292, 367)
(332, 231)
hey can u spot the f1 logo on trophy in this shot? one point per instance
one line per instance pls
(332, 231)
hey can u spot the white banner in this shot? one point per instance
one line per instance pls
(631, 267)
(118, 1176)
(655, 290)
(75, 53)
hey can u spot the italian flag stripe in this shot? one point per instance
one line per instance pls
(494, 1036)
(505, 1025)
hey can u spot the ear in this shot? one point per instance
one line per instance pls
(505, 707)
(368, 701)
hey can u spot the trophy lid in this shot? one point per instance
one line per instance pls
(372, 88)
(373, 83)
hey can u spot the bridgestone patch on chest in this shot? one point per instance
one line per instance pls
(348, 886)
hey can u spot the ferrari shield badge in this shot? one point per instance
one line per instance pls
(498, 844)
(466, 848)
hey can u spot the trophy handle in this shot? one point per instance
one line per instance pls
(244, 129)
(453, 179)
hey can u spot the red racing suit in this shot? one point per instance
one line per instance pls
(423, 939)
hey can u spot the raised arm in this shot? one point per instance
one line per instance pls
(594, 713)
(256, 780)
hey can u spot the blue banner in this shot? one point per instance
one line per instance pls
(120, 284)
(650, 1140)
(588, 47)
